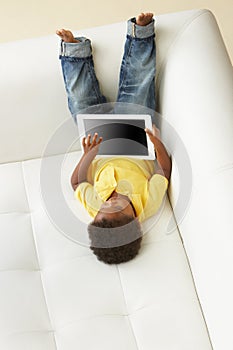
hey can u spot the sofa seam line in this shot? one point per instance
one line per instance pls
(192, 277)
(88, 318)
(19, 270)
(127, 314)
(37, 253)
(15, 212)
(30, 331)
(198, 299)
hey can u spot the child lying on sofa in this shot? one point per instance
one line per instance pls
(118, 193)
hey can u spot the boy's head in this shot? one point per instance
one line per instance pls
(115, 233)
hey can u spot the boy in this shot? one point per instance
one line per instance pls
(117, 192)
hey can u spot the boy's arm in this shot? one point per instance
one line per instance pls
(80, 172)
(90, 150)
(163, 159)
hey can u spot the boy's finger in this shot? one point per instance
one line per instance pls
(94, 138)
(83, 141)
(88, 139)
(100, 140)
(149, 132)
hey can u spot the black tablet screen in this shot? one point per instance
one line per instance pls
(120, 137)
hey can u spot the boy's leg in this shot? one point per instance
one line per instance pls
(137, 74)
(81, 84)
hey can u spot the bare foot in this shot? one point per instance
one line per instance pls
(66, 36)
(144, 18)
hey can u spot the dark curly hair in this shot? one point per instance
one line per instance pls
(115, 241)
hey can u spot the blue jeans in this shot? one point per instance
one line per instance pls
(137, 73)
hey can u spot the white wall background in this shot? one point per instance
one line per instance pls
(21, 19)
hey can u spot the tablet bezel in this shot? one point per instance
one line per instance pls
(145, 117)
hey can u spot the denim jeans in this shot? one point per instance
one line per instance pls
(137, 72)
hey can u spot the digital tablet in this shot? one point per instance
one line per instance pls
(123, 134)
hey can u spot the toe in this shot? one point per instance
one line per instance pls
(60, 34)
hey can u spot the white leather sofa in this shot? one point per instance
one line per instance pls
(177, 293)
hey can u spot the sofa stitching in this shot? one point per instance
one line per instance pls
(15, 212)
(30, 331)
(171, 46)
(127, 315)
(87, 318)
(25, 270)
(66, 261)
(37, 253)
(193, 281)
(196, 292)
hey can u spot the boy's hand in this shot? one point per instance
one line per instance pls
(154, 135)
(91, 146)
(163, 159)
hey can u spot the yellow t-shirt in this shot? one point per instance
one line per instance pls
(134, 178)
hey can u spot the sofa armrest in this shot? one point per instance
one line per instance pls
(195, 89)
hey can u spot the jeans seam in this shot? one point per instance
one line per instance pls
(126, 63)
(94, 81)
(140, 32)
(132, 39)
(71, 58)
(148, 38)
